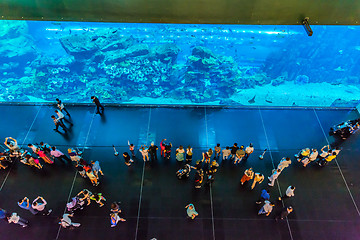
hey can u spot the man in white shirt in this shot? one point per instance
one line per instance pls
(273, 177)
(313, 156)
(289, 193)
(284, 163)
(248, 150)
(14, 218)
(226, 153)
(39, 204)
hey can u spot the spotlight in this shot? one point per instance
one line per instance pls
(307, 27)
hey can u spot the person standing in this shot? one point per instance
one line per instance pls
(98, 105)
(61, 107)
(162, 147)
(267, 208)
(180, 152)
(58, 123)
(284, 163)
(14, 218)
(217, 152)
(273, 177)
(258, 178)
(199, 177)
(153, 151)
(289, 193)
(190, 210)
(39, 204)
(248, 150)
(240, 153)
(226, 153)
(284, 213)
(189, 154)
(144, 152)
(60, 116)
(248, 174)
(57, 154)
(131, 148)
(234, 148)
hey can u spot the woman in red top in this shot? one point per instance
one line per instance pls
(162, 148)
(43, 156)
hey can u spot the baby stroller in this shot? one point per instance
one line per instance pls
(75, 204)
(185, 171)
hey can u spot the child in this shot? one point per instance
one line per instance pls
(248, 174)
(162, 147)
(85, 195)
(167, 151)
(226, 153)
(180, 153)
(98, 198)
(190, 210)
(131, 148)
(144, 152)
(189, 154)
(127, 159)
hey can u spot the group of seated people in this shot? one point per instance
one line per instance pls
(345, 129)
(306, 156)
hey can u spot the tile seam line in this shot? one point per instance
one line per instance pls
(338, 166)
(272, 160)
(211, 198)
(32, 124)
(142, 180)
(76, 172)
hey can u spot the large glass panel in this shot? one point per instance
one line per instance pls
(179, 64)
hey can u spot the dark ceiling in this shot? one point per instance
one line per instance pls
(324, 12)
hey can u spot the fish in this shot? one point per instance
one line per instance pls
(268, 101)
(339, 69)
(114, 31)
(252, 100)
(94, 39)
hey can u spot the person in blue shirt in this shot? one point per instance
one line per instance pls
(265, 195)
(25, 204)
(2, 214)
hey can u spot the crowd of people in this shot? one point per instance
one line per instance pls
(41, 154)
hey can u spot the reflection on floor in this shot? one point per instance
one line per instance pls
(153, 200)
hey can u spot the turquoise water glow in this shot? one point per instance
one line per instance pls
(179, 64)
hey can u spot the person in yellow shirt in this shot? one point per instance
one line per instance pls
(327, 159)
(258, 178)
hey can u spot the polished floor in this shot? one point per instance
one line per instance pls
(326, 202)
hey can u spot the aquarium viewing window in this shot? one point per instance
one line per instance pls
(232, 65)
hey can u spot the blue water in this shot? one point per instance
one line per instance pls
(179, 64)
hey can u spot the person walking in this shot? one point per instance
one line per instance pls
(98, 198)
(153, 151)
(258, 178)
(58, 123)
(115, 218)
(61, 106)
(267, 208)
(57, 154)
(95, 165)
(39, 204)
(289, 193)
(248, 174)
(98, 105)
(127, 159)
(284, 213)
(191, 212)
(275, 174)
(15, 218)
(66, 221)
(284, 163)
